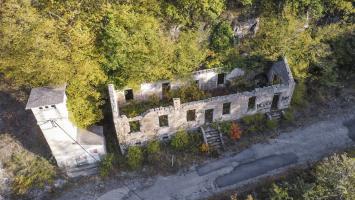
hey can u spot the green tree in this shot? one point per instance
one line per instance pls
(190, 11)
(31, 52)
(134, 157)
(221, 37)
(134, 47)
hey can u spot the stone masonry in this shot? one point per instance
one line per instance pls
(260, 100)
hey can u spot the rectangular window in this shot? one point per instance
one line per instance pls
(128, 94)
(220, 78)
(226, 108)
(163, 121)
(134, 126)
(251, 103)
(191, 115)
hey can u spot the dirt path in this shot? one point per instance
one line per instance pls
(300, 146)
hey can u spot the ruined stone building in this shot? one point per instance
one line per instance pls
(162, 122)
(77, 151)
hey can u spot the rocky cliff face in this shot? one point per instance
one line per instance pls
(245, 28)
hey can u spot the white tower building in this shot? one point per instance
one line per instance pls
(77, 151)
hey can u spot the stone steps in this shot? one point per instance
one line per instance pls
(212, 137)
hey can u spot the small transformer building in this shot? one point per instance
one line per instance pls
(77, 151)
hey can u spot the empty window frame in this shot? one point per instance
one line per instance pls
(128, 94)
(251, 103)
(220, 78)
(191, 115)
(226, 108)
(163, 121)
(134, 126)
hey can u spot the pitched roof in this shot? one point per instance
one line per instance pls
(43, 96)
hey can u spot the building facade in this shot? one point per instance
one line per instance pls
(73, 148)
(162, 122)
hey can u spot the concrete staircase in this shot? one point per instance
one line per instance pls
(83, 170)
(212, 137)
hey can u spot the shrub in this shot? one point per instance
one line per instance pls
(153, 151)
(288, 116)
(299, 95)
(259, 123)
(279, 193)
(188, 93)
(225, 127)
(271, 124)
(204, 148)
(153, 147)
(254, 123)
(235, 132)
(180, 141)
(106, 165)
(30, 172)
(134, 157)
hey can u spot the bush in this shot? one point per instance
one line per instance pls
(153, 147)
(288, 116)
(188, 93)
(204, 148)
(225, 127)
(271, 124)
(235, 132)
(134, 157)
(30, 172)
(258, 123)
(180, 141)
(153, 151)
(254, 123)
(106, 165)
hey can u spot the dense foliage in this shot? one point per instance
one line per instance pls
(333, 178)
(88, 44)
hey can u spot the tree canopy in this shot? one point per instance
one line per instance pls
(88, 44)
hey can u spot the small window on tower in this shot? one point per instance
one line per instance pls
(41, 108)
(46, 106)
(53, 106)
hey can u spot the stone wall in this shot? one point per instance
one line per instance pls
(177, 114)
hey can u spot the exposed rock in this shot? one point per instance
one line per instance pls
(245, 28)
(175, 32)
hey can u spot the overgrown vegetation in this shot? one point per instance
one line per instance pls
(26, 170)
(186, 94)
(91, 43)
(332, 178)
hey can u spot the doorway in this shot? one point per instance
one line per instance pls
(275, 102)
(165, 90)
(208, 116)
